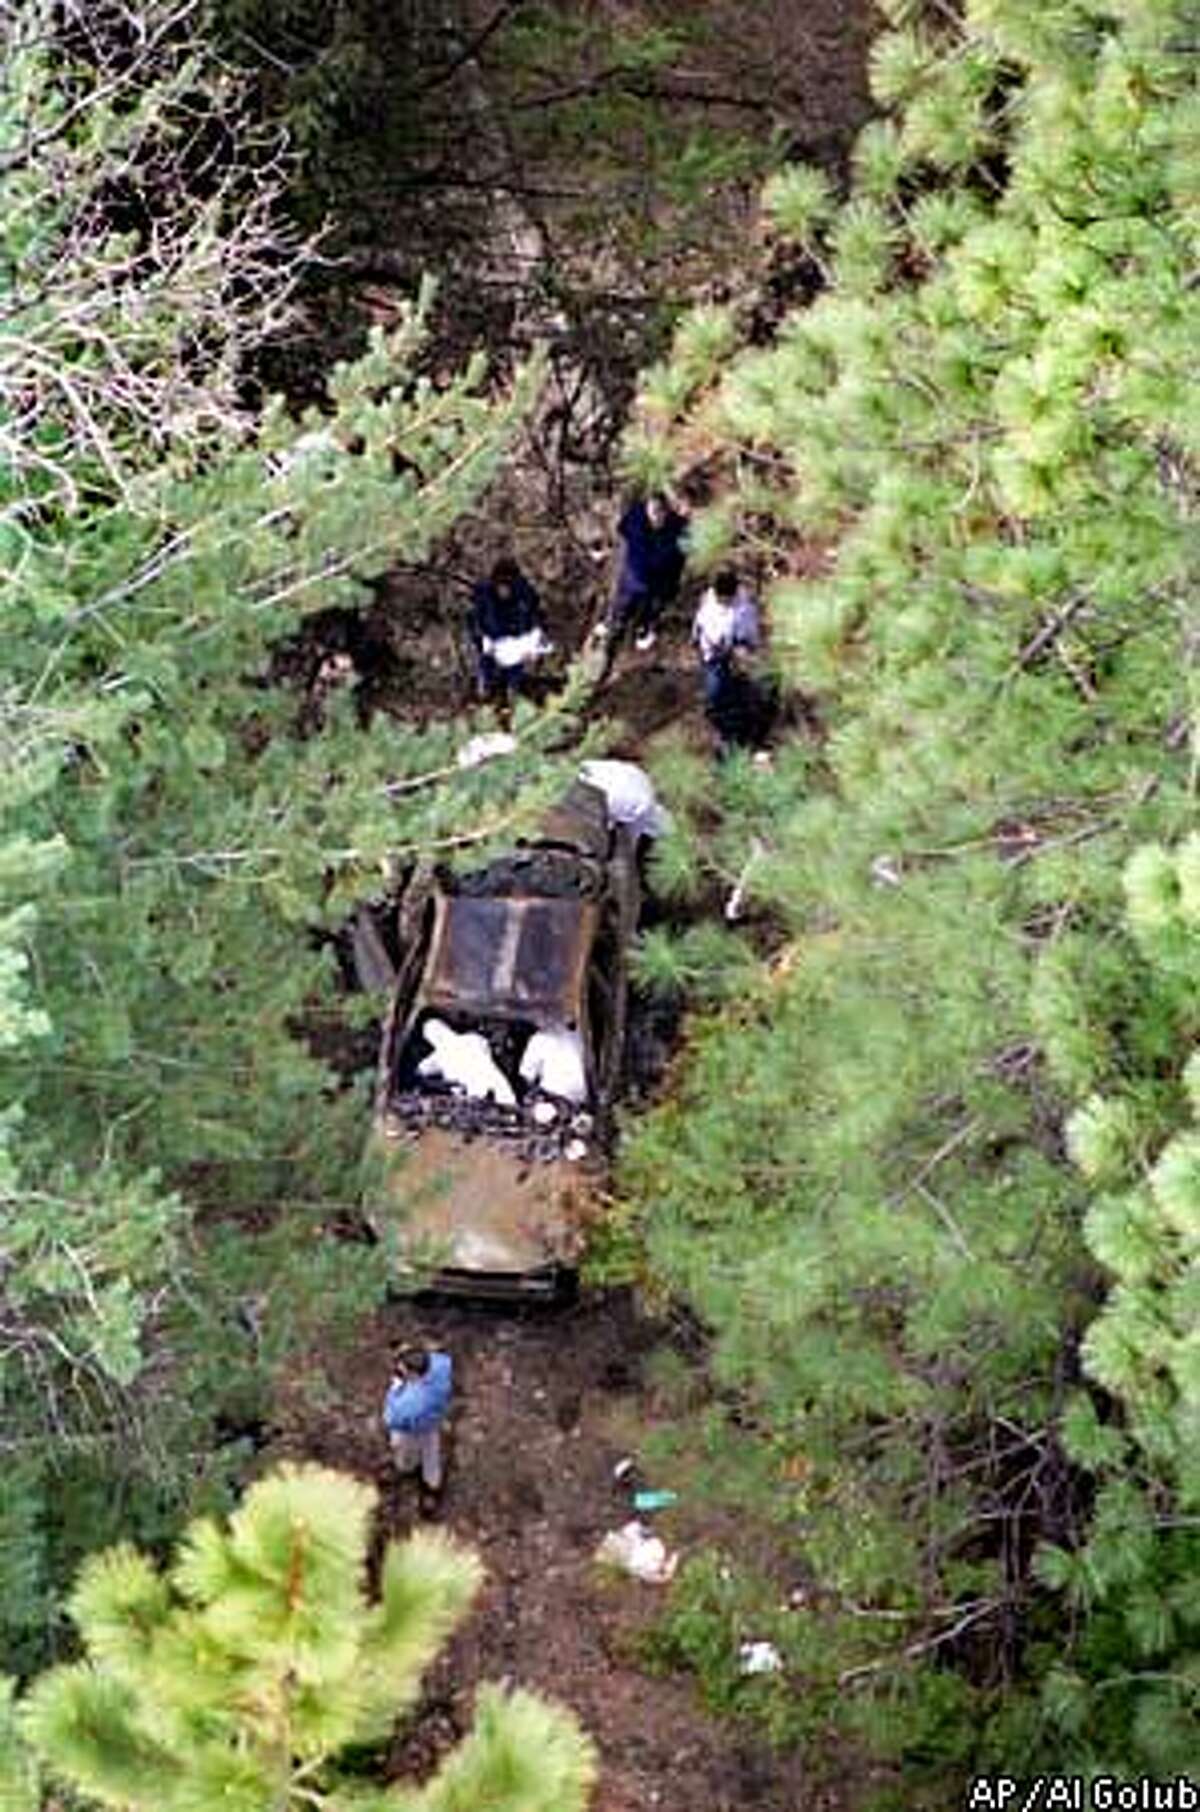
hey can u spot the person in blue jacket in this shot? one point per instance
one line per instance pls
(504, 607)
(652, 564)
(414, 1410)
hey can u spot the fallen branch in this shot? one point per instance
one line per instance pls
(1049, 633)
(939, 1157)
(974, 1614)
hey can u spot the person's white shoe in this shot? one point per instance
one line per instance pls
(645, 641)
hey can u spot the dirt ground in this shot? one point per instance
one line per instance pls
(791, 75)
(548, 1402)
(542, 1400)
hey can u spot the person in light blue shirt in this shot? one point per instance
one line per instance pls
(414, 1410)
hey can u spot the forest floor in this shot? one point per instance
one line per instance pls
(547, 1403)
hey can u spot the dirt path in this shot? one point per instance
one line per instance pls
(546, 1403)
(542, 1400)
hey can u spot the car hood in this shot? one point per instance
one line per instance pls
(467, 1202)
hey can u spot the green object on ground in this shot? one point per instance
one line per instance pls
(654, 1500)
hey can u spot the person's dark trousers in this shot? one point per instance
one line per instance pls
(716, 676)
(635, 607)
(495, 680)
(722, 705)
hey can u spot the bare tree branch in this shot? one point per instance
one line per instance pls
(142, 262)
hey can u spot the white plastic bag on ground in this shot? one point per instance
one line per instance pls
(630, 796)
(485, 747)
(464, 1059)
(759, 1658)
(553, 1061)
(642, 1555)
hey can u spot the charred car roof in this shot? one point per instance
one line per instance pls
(519, 957)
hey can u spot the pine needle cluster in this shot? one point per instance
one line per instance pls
(239, 1676)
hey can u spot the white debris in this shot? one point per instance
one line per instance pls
(631, 797)
(759, 1658)
(544, 1113)
(464, 1059)
(642, 1555)
(553, 1060)
(735, 904)
(335, 668)
(623, 1468)
(486, 748)
(575, 1150)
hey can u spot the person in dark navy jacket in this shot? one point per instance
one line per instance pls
(506, 625)
(652, 562)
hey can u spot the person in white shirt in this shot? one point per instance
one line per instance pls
(629, 795)
(725, 623)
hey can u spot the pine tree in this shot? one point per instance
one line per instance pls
(986, 422)
(174, 855)
(1136, 1670)
(240, 1675)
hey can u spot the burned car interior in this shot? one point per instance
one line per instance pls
(502, 1053)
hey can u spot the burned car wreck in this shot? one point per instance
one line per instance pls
(488, 1186)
